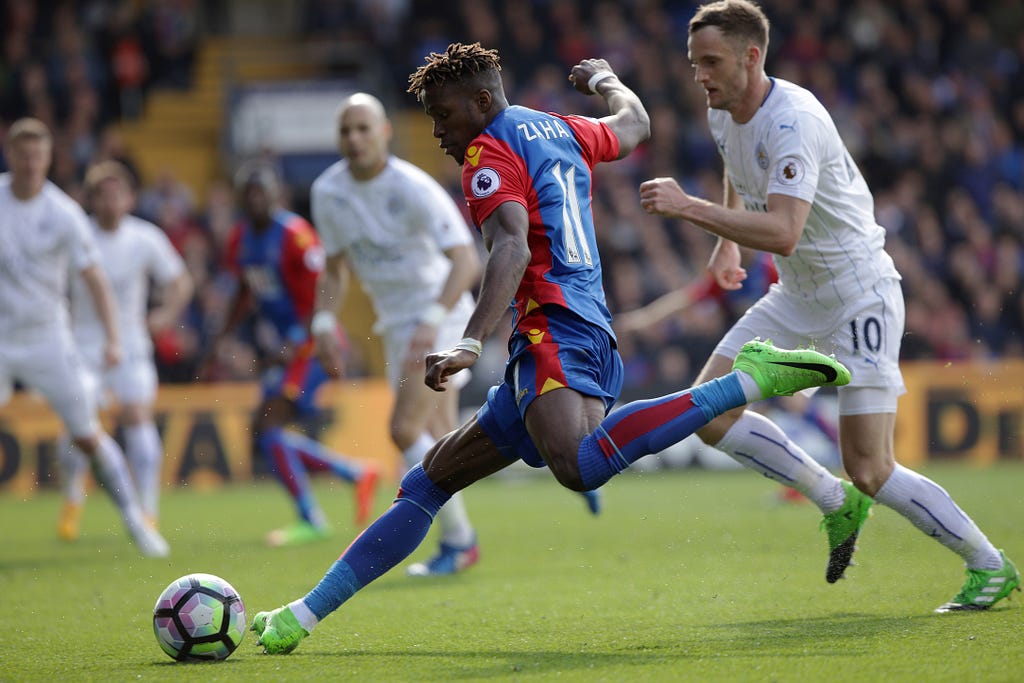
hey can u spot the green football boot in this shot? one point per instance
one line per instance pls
(278, 631)
(781, 372)
(984, 588)
(843, 526)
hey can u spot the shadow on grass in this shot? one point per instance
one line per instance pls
(840, 635)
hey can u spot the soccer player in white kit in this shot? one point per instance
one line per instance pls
(404, 237)
(43, 234)
(792, 189)
(133, 252)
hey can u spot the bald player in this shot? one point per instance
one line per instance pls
(405, 239)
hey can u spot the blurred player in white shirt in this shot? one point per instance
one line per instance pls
(133, 253)
(792, 189)
(406, 240)
(43, 235)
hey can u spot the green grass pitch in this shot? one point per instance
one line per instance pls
(686, 576)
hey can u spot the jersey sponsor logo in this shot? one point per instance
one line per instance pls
(473, 155)
(485, 182)
(762, 156)
(790, 171)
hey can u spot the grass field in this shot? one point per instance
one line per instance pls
(687, 576)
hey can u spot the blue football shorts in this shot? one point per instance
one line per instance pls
(553, 348)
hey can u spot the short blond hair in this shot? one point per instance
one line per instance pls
(110, 169)
(28, 128)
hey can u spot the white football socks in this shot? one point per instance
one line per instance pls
(112, 473)
(72, 466)
(144, 451)
(751, 391)
(303, 615)
(930, 509)
(758, 443)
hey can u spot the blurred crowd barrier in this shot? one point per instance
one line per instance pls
(207, 434)
(966, 411)
(961, 411)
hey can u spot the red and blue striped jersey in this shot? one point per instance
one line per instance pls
(280, 265)
(544, 162)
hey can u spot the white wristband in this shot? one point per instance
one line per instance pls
(434, 314)
(597, 78)
(323, 322)
(471, 345)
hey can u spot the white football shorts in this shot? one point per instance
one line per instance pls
(133, 381)
(396, 343)
(864, 335)
(45, 359)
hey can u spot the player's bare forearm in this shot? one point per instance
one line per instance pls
(628, 119)
(174, 296)
(664, 306)
(464, 274)
(103, 300)
(332, 284)
(724, 265)
(508, 255)
(777, 231)
(331, 287)
(238, 309)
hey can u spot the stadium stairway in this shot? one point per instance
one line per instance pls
(180, 131)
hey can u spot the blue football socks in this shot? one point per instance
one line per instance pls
(313, 452)
(650, 426)
(286, 466)
(382, 545)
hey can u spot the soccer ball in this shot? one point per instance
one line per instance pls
(199, 617)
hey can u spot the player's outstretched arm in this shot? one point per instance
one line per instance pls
(666, 305)
(628, 119)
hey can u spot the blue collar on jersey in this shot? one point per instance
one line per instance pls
(768, 94)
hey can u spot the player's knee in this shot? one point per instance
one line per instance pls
(87, 444)
(404, 434)
(566, 471)
(714, 431)
(868, 474)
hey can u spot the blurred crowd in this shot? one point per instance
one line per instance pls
(928, 95)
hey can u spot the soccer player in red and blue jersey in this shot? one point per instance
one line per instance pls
(277, 257)
(527, 178)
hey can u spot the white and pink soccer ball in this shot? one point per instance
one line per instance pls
(199, 617)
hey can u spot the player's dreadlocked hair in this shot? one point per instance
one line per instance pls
(458, 63)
